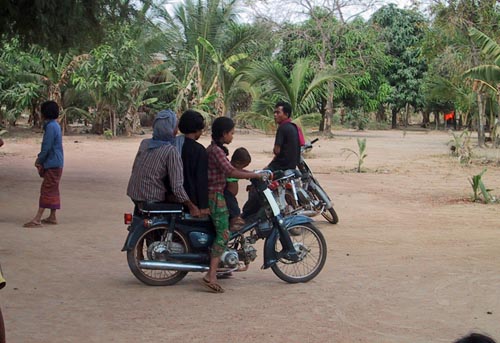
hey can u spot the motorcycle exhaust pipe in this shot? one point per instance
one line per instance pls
(307, 213)
(158, 265)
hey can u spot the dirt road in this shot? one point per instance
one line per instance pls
(410, 260)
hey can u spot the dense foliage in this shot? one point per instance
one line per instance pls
(110, 64)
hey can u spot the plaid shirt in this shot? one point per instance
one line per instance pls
(218, 168)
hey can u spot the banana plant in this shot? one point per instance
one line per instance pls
(478, 186)
(360, 154)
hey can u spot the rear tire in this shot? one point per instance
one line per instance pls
(143, 251)
(311, 246)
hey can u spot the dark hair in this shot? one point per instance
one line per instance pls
(220, 126)
(50, 110)
(475, 338)
(191, 122)
(241, 155)
(287, 108)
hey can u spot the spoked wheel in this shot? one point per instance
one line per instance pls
(330, 215)
(311, 248)
(151, 246)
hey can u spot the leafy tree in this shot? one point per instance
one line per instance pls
(60, 25)
(488, 75)
(403, 31)
(115, 77)
(450, 51)
(209, 45)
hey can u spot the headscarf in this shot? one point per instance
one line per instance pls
(163, 129)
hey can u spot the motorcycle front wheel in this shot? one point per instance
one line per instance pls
(330, 215)
(151, 246)
(311, 248)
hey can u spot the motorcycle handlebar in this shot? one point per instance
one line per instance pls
(268, 175)
(314, 140)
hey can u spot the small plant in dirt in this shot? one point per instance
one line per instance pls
(360, 154)
(357, 119)
(460, 146)
(481, 193)
(108, 134)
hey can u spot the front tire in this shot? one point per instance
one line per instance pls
(145, 249)
(311, 247)
(330, 215)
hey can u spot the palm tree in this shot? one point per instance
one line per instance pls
(486, 76)
(301, 89)
(206, 48)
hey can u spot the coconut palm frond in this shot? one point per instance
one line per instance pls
(271, 75)
(256, 120)
(488, 46)
(488, 73)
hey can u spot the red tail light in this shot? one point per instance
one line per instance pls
(273, 185)
(127, 218)
(288, 186)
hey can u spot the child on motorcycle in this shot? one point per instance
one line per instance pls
(240, 160)
(219, 169)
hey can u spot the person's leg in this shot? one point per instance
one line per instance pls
(52, 217)
(252, 205)
(220, 219)
(36, 221)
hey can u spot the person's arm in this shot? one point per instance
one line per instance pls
(232, 187)
(176, 177)
(47, 144)
(202, 180)
(278, 142)
(243, 174)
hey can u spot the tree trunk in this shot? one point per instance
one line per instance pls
(425, 119)
(394, 123)
(132, 121)
(380, 114)
(481, 119)
(329, 109)
(407, 114)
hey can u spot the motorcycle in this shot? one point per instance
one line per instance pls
(164, 243)
(298, 191)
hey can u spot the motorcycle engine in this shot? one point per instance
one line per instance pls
(158, 251)
(230, 259)
(250, 253)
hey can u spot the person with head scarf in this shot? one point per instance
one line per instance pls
(157, 173)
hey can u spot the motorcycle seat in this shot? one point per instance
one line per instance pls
(161, 207)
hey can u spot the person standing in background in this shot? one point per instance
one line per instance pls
(50, 162)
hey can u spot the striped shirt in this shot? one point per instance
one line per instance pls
(152, 167)
(218, 169)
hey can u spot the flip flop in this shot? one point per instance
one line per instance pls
(32, 224)
(213, 287)
(49, 221)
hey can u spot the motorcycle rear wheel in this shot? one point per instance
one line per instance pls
(311, 246)
(140, 252)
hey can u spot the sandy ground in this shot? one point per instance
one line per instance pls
(411, 259)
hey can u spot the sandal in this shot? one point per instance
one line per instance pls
(32, 224)
(213, 287)
(49, 221)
